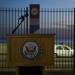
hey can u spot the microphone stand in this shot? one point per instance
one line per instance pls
(22, 17)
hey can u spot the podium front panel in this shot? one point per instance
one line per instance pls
(19, 52)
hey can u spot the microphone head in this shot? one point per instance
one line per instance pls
(26, 15)
(22, 17)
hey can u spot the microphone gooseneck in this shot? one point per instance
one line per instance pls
(22, 19)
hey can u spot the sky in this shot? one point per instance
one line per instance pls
(43, 4)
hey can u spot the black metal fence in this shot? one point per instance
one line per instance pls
(54, 24)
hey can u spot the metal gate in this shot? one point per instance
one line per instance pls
(54, 24)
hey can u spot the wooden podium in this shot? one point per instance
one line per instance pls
(30, 50)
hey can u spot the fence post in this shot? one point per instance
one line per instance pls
(74, 38)
(27, 20)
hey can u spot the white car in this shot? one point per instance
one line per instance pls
(63, 51)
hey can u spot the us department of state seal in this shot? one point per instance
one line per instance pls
(31, 49)
(34, 11)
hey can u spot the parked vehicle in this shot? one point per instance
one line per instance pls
(63, 51)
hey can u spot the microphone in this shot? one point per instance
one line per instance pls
(22, 17)
(26, 15)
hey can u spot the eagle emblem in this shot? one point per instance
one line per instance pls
(30, 52)
(30, 49)
(34, 11)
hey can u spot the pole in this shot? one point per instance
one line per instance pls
(27, 19)
(74, 38)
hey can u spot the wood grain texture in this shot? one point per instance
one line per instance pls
(14, 42)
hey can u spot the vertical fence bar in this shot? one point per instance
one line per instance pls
(18, 20)
(15, 19)
(27, 20)
(61, 32)
(68, 37)
(71, 37)
(56, 26)
(42, 21)
(9, 20)
(12, 21)
(74, 38)
(51, 19)
(2, 45)
(48, 20)
(5, 52)
(64, 39)
(58, 31)
(24, 22)
(53, 22)
(3, 36)
(65, 35)
(49, 26)
(65, 26)
(12, 18)
(4, 39)
(0, 25)
(21, 23)
(6, 32)
(45, 22)
(61, 35)
(43, 25)
(59, 27)
(0, 22)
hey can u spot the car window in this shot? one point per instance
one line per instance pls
(59, 48)
(65, 48)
